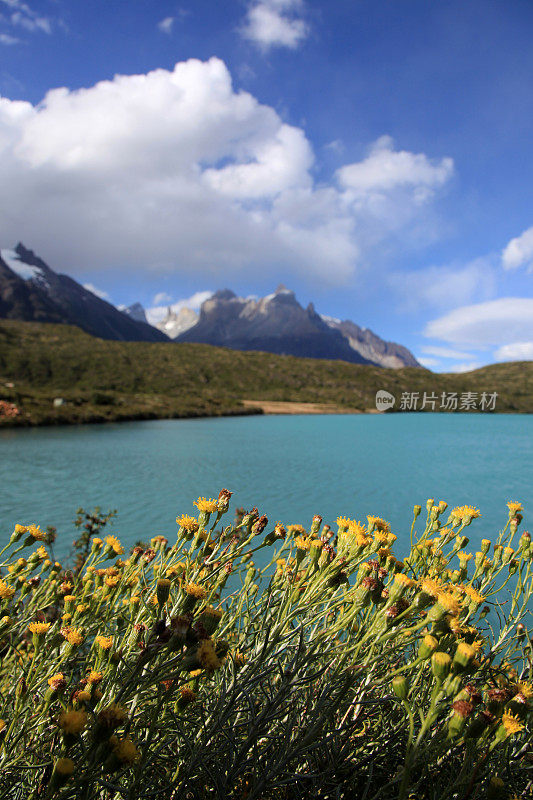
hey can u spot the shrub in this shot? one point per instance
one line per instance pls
(336, 670)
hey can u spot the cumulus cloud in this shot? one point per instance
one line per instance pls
(386, 169)
(98, 292)
(177, 171)
(157, 313)
(496, 323)
(517, 351)
(165, 26)
(275, 23)
(519, 251)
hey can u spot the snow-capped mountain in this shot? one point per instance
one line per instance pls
(30, 290)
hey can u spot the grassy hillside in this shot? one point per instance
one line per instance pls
(106, 380)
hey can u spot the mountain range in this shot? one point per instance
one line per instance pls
(278, 323)
(30, 290)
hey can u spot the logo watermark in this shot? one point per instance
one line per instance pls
(431, 401)
(384, 400)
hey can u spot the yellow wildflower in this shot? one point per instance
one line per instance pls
(378, 524)
(462, 556)
(207, 656)
(526, 689)
(356, 528)
(57, 681)
(189, 524)
(36, 533)
(514, 507)
(206, 505)
(39, 628)
(343, 522)
(473, 594)
(449, 602)
(195, 590)
(104, 642)
(302, 543)
(113, 543)
(431, 587)
(465, 513)
(74, 636)
(511, 724)
(6, 591)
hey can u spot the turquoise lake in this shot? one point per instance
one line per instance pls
(291, 467)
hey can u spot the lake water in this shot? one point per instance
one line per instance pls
(291, 467)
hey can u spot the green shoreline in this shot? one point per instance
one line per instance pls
(109, 381)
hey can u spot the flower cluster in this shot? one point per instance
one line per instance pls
(282, 661)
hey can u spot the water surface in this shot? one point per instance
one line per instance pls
(291, 467)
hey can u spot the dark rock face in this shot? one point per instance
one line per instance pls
(279, 324)
(275, 324)
(31, 291)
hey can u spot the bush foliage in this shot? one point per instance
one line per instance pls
(184, 670)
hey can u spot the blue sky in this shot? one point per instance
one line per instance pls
(373, 156)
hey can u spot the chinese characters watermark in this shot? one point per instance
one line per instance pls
(431, 401)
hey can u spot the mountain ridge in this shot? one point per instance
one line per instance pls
(31, 291)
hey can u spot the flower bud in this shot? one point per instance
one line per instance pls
(428, 645)
(440, 665)
(400, 687)
(416, 511)
(463, 656)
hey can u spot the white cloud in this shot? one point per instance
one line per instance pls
(445, 352)
(436, 286)
(23, 16)
(429, 362)
(165, 26)
(5, 38)
(517, 351)
(98, 292)
(385, 170)
(519, 251)
(275, 23)
(495, 323)
(176, 171)
(31, 23)
(157, 313)
(161, 297)
(464, 366)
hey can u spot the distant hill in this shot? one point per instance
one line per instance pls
(99, 380)
(30, 290)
